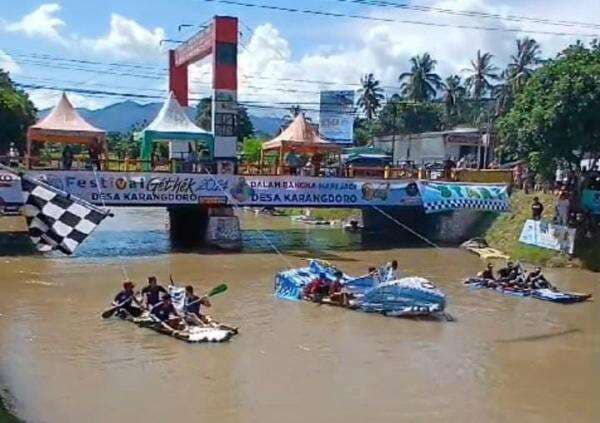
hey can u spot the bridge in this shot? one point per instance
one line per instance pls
(201, 206)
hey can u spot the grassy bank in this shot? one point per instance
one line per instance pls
(5, 413)
(505, 231)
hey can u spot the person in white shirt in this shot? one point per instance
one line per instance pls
(13, 156)
(391, 271)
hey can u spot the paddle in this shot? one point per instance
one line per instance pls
(111, 311)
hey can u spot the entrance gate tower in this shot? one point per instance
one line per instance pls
(219, 39)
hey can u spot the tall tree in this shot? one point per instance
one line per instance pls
(204, 114)
(480, 75)
(555, 116)
(522, 64)
(421, 83)
(245, 128)
(453, 95)
(17, 112)
(370, 96)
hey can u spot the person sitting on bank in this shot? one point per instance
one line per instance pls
(488, 273)
(125, 299)
(191, 308)
(152, 292)
(537, 209)
(536, 280)
(165, 313)
(317, 289)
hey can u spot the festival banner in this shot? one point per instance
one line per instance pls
(546, 235)
(155, 189)
(591, 201)
(439, 197)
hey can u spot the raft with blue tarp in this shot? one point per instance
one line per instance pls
(412, 296)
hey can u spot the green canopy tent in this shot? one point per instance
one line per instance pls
(174, 126)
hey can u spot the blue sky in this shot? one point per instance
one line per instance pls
(276, 45)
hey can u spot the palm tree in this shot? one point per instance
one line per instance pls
(421, 83)
(293, 112)
(453, 94)
(503, 95)
(521, 67)
(370, 96)
(481, 73)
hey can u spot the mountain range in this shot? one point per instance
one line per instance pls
(122, 117)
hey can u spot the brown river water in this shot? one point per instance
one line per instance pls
(503, 359)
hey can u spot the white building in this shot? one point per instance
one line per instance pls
(428, 147)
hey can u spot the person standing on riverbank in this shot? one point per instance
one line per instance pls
(537, 209)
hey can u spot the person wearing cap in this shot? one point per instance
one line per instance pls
(488, 273)
(192, 307)
(125, 299)
(165, 313)
(152, 292)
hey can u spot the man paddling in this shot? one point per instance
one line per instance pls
(124, 300)
(191, 308)
(152, 292)
(163, 311)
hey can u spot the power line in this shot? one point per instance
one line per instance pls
(390, 20)
(472, 13)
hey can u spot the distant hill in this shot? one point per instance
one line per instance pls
(122, 117)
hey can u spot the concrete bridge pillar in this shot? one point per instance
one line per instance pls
(449, 227)
(199, 225)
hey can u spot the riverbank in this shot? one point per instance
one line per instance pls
(504, 233)
(6, 415)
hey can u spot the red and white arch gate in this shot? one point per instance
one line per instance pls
(219, 39)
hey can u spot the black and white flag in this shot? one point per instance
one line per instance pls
(57, 220)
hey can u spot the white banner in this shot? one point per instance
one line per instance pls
(155, 189)
(546, 235)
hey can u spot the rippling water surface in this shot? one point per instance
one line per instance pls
(504, 359)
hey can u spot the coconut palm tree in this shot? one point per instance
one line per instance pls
(421, 83)
(370, 96)
(523, 63)
(481, 74)
(453, 94)
(503, 95)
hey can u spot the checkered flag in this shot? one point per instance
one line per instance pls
(57, 220)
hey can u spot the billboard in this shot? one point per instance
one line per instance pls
(336, 118)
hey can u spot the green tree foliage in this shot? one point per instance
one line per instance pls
(555, 116)
(453, 96)
(245, 126)
(251, 150)
(421, 83)
(370, 96)
(481, 74)
(17, 113)
(402, 117)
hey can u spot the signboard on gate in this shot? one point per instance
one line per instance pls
(336, 118)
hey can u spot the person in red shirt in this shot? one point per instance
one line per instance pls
(336, 293)
(317, 289)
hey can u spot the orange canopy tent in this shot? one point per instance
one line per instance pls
(66, 126)
(301, 138)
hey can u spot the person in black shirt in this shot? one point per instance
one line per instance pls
(152, 292)
(125, 299)
(162, 312)
(537, 209)
(192, 306)
(488, 273)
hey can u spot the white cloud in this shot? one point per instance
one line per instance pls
(8, 64)
(385, 48)
(127, 39)
(44, 99)
(42, 22)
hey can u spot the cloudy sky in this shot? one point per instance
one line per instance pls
(115, 45)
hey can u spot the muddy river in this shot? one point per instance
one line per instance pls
(503, 359)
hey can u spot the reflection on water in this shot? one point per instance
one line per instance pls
(504, 359)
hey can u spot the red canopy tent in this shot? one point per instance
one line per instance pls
(66, 126)
(301, 138)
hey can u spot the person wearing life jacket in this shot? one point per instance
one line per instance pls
(192, 308)
(126, 298)
(152, 292)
